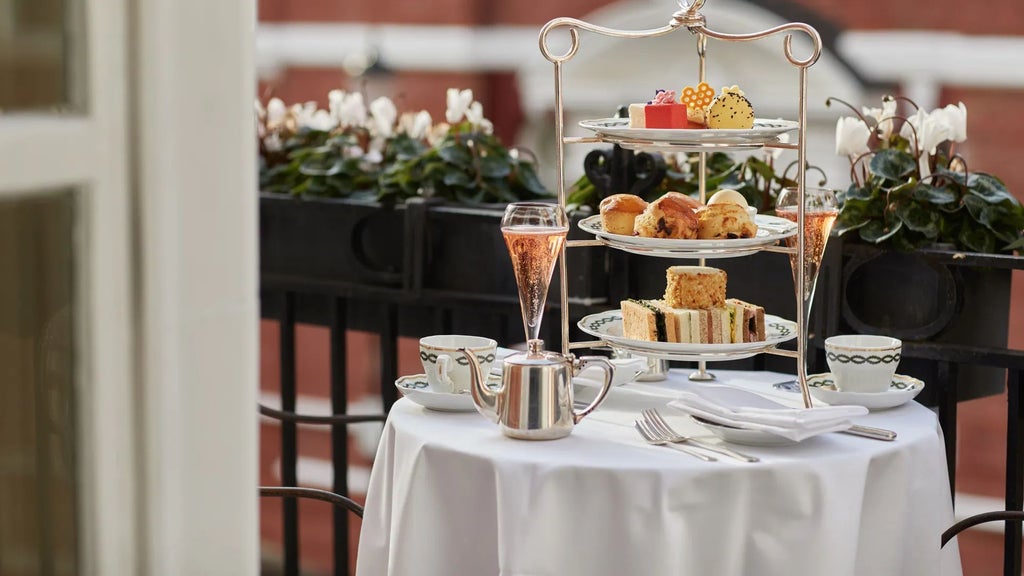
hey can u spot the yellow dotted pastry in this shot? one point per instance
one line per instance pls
(731, 109)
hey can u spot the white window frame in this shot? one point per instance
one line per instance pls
(162, 162)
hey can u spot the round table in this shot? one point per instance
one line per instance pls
(450, 495)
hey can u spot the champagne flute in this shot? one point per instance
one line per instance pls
(534, 235)
(820, 211)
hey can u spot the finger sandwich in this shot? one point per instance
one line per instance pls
(655, 321)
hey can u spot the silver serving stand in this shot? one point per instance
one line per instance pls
(690, 19)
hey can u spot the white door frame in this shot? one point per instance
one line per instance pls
(196, 184)
(162, 160)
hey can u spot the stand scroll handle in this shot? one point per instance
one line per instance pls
(787, 43)
(575, 25)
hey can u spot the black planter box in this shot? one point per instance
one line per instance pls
(420, 255)
(919, 297)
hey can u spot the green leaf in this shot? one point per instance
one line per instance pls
(1016, 245)
(919, 219)
(854, 214)
(934, 194)
(988, 188)
(855, 192)
(494, 167)
(761, 168)
(978, 239)
(454, 153)
(975, 206)
(893, 164)
(454, 178)
(876, 231)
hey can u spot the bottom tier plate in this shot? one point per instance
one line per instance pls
(608, 327)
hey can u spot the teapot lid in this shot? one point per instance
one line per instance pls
(535, 355)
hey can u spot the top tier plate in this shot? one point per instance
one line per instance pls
(763, 132)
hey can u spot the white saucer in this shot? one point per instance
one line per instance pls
(902, 390)
(417, 389)
(742, 435)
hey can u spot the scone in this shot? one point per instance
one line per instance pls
(619, 211)
(699, 287)
(725, 220)
(670, 216)
(730, 109)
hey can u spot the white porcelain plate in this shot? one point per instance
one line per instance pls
(417, 389)
(608, 327)
(742, 435)
(763, 132)
(902, 390)
(770, 229)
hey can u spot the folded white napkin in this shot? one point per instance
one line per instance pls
(626, 370)
(744, 409)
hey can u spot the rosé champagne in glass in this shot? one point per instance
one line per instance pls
(820, 211)
(534, 235)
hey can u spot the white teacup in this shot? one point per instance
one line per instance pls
(446, 368)
(861, 362)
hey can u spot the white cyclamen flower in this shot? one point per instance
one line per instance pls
(955, 119)
(852, 137)
(415, 125)
(475, 113)
(335, 99)
(883, 117)
(352, 110)
(273, 143)
(384, 115)
(437, 133)
(321, 120)
(302, 113)
(276, 112)
(458, 103)
(931, 130)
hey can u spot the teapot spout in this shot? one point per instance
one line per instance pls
(483, 397)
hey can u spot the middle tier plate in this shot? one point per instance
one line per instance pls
(770, 229)
(608, 327)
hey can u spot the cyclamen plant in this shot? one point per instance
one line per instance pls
(351, 149)
(910, 188)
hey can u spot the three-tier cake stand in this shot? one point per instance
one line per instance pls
(689, 18)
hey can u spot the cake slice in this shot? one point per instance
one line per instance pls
(637, 116)
(661, 112)
(695, 287)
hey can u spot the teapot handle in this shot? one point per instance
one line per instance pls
(609, 370)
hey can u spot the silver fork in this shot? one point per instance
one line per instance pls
(649, 436)
(664, 431)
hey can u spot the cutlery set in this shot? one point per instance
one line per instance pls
(656, 431)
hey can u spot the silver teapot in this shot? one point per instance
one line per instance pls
(535, 400)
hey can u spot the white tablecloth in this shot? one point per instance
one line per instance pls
(451, 496)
